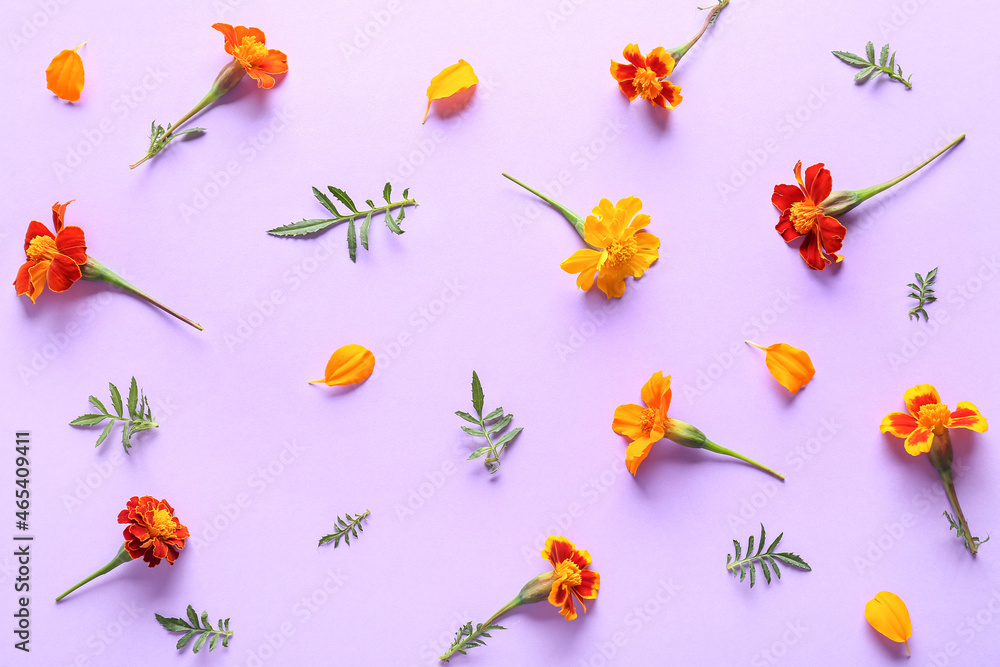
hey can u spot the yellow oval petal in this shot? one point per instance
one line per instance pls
(790, 366)
(350, 364)
(451, 80)
(888, 615)
(64, 75)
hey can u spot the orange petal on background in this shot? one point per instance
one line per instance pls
(790, 366)
(887, 614)
(451, 80)
(350, 364)
(64, 76)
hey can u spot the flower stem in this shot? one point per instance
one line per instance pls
(679, 52)
(574, 219)
(719, 449)
(94, 270)
(121, 557)
(949, 489)
(872, 191)
(484, 627)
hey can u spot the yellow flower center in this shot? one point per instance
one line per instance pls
(803, 216)
(620, 252)
(42, 247)
(648, 419)
(251, 51)
(162, 523)
(568, 573)
(934, 417)
(646, 83)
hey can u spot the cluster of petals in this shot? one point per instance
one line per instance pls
(572, 578)
(926, 417)
(645, 76)
(152, 532)
(52, 258)
(802, 216)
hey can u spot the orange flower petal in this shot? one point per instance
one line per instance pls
(638, 450)
(790, 366)
(889, 616)
(626, 421)
(898, 424)
(967, 416)
(922, 394)
(64, 75)
(584, 262)
(919, 442)
(350, 364)
(451, 80)
(656, 393)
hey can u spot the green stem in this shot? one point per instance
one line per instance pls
(94, 270)
(872, 191)
(949, 489)
(679, 52)
(495, 458)
(151, 424)
(516, 602)
(719, 449)
(121, 557)
(573, 218)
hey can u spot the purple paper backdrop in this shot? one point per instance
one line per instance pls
(258, 463)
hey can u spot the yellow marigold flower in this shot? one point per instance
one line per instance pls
(620, 247)
(887, 614)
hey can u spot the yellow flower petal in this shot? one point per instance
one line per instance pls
(350, 364)
(887, 614)
(64, 75)
(451, 80)
(790, 366)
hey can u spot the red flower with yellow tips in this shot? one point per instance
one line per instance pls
(247, 46)
(52, 259)
(645, 77)
(572, 578)
(153, 532)
(802, 216)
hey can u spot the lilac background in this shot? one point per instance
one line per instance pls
(234, 404)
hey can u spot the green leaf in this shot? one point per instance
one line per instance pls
(473, 431)
(104, 433)
(884, 55)
(192, 616)
(116, 398)
(493, 415)
(870, 52)
(387, 193)
(500, 425)
(364, 230)
(301, 227)
(182, 642)
(325, 201)
(865, 73)
(923, 292)
(479, 452)
(133, 398)
(97, 404)
(191, 628)
(510, 435)
(352, 241)
(477, 393)
(89, 419)
(767, 559)
(201, 642)
(391, 224)
(467, 417)
(851, 59)
(342, 196)
(213, 643)
(345, 529)
(499, 420)
(172, 624)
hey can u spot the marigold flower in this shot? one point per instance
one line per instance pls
(925, 429)
(645, 426)
(247, 46)
(568, 579)
(65, 75)
(810, 210)
(350, 364)
(889, 616)
(61, 259)
(790, 366)
(152, 533)
(645, 77)
(53, 259)
(449, 81)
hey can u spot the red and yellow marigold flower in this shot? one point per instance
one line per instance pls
(152, 533)
(810, 210)
(569, 581)
(925, 429)
(60, 259)
(646, 425)
(52, 259)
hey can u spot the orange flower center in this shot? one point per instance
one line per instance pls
(934, 417)
(568, 573)
(803, 216)
(250, 51)
(646, 83)
(42, 247)
(162, 524)
(648, 419)
(620, 252)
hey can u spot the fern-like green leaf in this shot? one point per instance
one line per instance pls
(870, 68)
(194, 626)
(468, 638)
(767, 559)
(139, 416)
(972, 543)
(923, 292)
(490, 427)
(346, 528)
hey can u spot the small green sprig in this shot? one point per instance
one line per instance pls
(742, 566)
(160, 137)
(190, 627)
(348, 527)
(318, 224)
(972, 543)
(468, 637)
(139, 418)
(923, 293)
(869, 68)
(492, 423)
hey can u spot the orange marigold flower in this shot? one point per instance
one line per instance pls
(620, 247)
(247, 46)
(65, 75)
(153, 532)
(928, 418)
(646, 77)
(53, 259)
(802, 216)
(572, 578)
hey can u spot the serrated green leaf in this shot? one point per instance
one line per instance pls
(116, 398)
(352, 241)
(172, 624)
(182, 642)
(500, 425)
(406, 193)
(467, 417)
(205, 623)
(493, 415)
(507, 437)
(342, 196)
(392, 224)
(201, 642)
(97, 404)
(104, 433)
(214, 642)
(89, 419)
(884, 56)
(364, 230)
(387, 193)
(763, 567)
(850, 58)
(192, 616)
(473, 431)
(864, 73)
(325, 201)
(301, 227)
(870, 52)
(479, 452)
(892, 62)
(133, 397)
(477, 394)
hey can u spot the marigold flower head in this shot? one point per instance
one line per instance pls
(572, 578)
(889, 616)
(247, 46)
(928, 418)
(152, 531)
(645, 76)
(802, 215)
(53, 259)
(620, 247)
